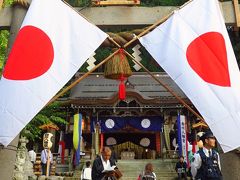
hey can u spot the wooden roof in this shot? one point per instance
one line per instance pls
(97, 90)
(49, 126)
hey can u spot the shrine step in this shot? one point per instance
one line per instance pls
(164, 169)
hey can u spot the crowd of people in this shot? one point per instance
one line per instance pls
(204, 165)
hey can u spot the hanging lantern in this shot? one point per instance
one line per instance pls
(119, 69)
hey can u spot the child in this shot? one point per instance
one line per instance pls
(86, 172)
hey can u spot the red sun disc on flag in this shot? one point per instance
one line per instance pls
(207, 56)
(31, 56)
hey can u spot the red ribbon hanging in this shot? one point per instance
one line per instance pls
(122, 88)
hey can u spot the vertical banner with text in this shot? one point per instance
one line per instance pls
(182, 136)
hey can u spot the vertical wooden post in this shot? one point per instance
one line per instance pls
(97, 138)
(1, 4)
(237, 12)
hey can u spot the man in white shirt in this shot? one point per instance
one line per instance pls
(32, 155)
(206, 164)
(44, 159)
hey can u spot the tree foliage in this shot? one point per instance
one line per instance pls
(7, 2)
(50, 114)
(4, 34)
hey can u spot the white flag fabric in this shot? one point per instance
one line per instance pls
(193, 47)
(52, 44)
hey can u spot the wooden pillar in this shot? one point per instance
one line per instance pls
(8, 155)
(101, 141)
(97, 130)
(1, 4)
(237, 12)
(158, 143)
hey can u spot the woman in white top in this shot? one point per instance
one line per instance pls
(86, 172)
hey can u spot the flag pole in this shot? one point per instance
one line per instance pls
(154, 25)
(166, 87)
(81, 78)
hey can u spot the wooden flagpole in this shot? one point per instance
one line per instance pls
(154, 25)
(81, 78)
(166, 87)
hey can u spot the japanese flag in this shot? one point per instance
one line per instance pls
(193, 47)
(52, 44)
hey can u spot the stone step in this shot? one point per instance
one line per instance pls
(130, 169)
(128, 178)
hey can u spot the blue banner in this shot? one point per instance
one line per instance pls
(113, 124)
(182, 136)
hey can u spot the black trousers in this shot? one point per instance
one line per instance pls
(44, 169)
(182, 175)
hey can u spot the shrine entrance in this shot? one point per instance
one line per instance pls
(131, 137)
(129, 151)
(134, 126)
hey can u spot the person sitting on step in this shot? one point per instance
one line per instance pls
(148, 173)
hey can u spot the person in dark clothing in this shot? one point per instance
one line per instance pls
(113, 155)
(102, 166)
(181, 168)
(206, 164)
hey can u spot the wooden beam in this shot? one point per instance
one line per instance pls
(115, 2)
(126, 16)
(141, 16)
(1, 4)
(5, 18)
(237, 12)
